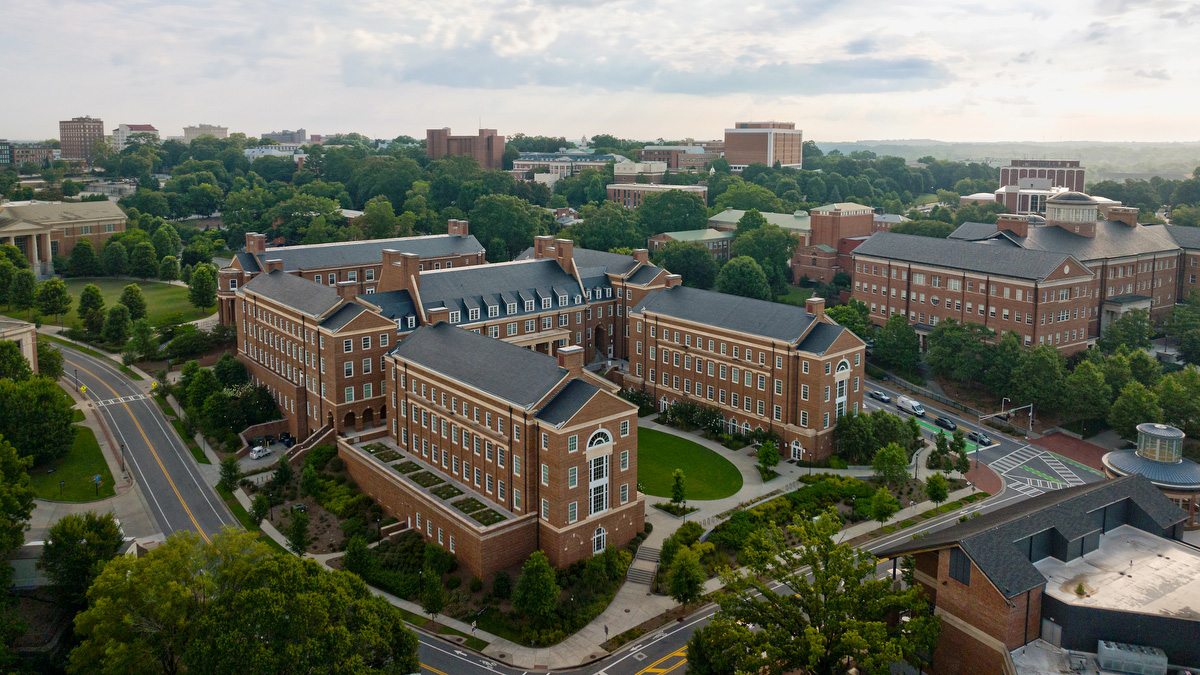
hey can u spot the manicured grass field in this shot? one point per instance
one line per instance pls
(796, 295)
(76, 470)
(164, 303)
(708, 474)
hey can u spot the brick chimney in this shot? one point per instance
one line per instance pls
(1018, 225)
(674, 280)
(401, 272)
(543, 247)
(274, 264)
(439, 314)
(564, 253)
(815, 307)
(571, 358)
(1124, 214)
(256, 243)
(641, 255)
(347, 289)
(458, 228)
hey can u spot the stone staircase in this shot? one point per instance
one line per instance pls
(644, 566)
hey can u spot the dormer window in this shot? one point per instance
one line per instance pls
(545, 303)
(578, 299)
(493, 311)
(512, 308)
(474, 314)
(608, 292)
(455, 317)
(412, 322)
(562, 301)
(528, 305)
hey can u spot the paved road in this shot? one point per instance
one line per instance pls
(161, 464)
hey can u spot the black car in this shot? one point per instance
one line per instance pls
(945, 423)
(979, 438)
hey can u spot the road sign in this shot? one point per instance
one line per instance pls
(96, 478)
(83, 388)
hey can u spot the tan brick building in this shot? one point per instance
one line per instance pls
(764, 143)
(45, 229)
(1046, 297)
(784, 369)
(1006, 578)
(78, 136)
(487, 147)
(546, 446)
(358, 261)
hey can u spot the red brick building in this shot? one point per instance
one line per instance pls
(78, 137)
(1006, 578)
(487, 147)
(835, 231)
(630, 195)
(546, 446)
(764, 143)
(41, 230)
(683, 157)
(1064, 173)
(359, 261)
(784, 369)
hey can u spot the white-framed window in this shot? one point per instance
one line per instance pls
(349, 394)
(572, 443)
(599, 540)
(347, 346)
(455, 317)
(624, 460)
(624, 428)
(624, 492)
(545, 509)
(348, 369)
(366, 367)
(545, 474)
(573, 477)
(572, 512)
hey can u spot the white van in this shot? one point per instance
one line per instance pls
(258, 452)
(910, 406)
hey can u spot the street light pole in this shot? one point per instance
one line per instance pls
(76, 379)
(122, 458)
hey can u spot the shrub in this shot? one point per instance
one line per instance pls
(318, 458)
(502, 585)
(476, 584)
(453, 583)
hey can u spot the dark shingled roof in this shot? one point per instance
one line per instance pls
(302, 295)
(343, 315)
(517, 375)
(990, 540)
(1113, 239)
(821, 338)
(1187, 237)
(568, 401)
(392, 304)
(731, 312)
(613, 263)
(1001, 261)
(644, 275)
(249, 262)
(458, 288)
(367, 252)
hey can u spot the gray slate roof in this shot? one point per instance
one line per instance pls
(1113, 239)
(757, 317)
(990, 540)
(613, 263)
(305, 296)
(1002, 261)
(343, 315)
(249, 262)
(1187, 237)
(515, 374)
(644, 275)
(392, 305)
(462, 288)
(821, 338)
(367, 252)
(568, 401)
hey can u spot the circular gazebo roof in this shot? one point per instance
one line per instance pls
(1183, 475)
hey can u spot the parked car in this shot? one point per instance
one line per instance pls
(300, 506)
(259, 451)
(945, 423)
(910, 406)
(880, 396)
(979, 438)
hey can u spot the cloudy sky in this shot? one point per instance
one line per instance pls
(841, 69)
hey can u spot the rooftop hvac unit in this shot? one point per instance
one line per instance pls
(1131, 658)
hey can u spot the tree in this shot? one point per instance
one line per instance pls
(672, 211)
(7, 272)
(1179, 396)
(897, 345)
(259, 508)
(49, 360)
(76, 547)
(961, 351)
(1090, 394)
(690, 260)
(13, 364)
(771, 247)
(83, 259)
(117, 325)
(743, 276)
(816, 625)
(891, 464)
(90, 299)
(1040, 377)
(1131, 330)
(1135, 405)
(1145, 368)
(855, 316)
(142, 262)
(716, 649)
(298, 539)
(537, 588)
(678, 487)
(36, 419)
(168, 269)
(856, 441)
(131, 297)
(229, 371)
(513, 221)
(202, 289)
(768, 456)
(686, 578)
(606, 227)
(379, 220)
(166, 241)
(53, 298)
(283, 473)
(22, 294)
(235, 606)
(433, 594)
(16, 505)
(937, 488)
(230, 473)
(1005, 357)
(883, 506)
(114, 259)
(142, 342)
(751, 220)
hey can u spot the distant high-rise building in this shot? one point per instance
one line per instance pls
(78, 137)
(192, 133)
(287, 136)
(120, 135)
(487, 147)
(1026, 184)
(764, 143)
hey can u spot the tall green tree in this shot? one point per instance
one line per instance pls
(855, 438)
(168, 269)
(143, 341)
(114, 259)
(166, 241)
(743, 276)
(750, 221)
(1090, 394)
(690, 260)
(53, 298)
(1135, 405)
(937, 488)
(229, 371)
(83, 259)
(891, 464)
(536, 594)
(672, 211)
(36, 419)
(379, 220)
(13, 365)
(16, 505)
(831, 608)
(1005, 357)
(433, 593)
(134, 301)
(1132, 330)
(1179, 397)
(7, 272)
(606, 227)
(298, 538)
(678, 487)
(202, 289)
(718, 648)
(855, 316)
(143, 262)
(117, 325)
(771, 247)
(960, 351)
(1040, 378)
(49, 360)
(883, 506)
(686, 578)
(230, 473)
(897, 345)
(22, 293)
(513, 221)
(76, 548)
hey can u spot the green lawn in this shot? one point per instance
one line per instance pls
(164, 303)
(796, 295)
(76, 470)
(924, 199)
(708, 474)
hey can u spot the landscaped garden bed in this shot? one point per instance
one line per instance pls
(446, 491)
(675, 509)
(374, 448)
(487, 517)
(468, 505)
(407, 467)
(427, 479)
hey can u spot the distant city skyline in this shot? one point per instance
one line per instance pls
(1078, 70)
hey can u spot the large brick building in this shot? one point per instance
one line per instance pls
(764, 143)
(695, 157)
(78, 137)
(487, 147)
(546, 446)
(359, 261)
(631, 195)
(835, 231)
(784, 369)
(562, 164)
(42, 230)
(1046, 297)
(1006, 578)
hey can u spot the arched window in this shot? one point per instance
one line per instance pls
(746, 428)
(663, 405)
(843, 365)
(600, 437)
(797, 450)
(599, 540)
(733, 427)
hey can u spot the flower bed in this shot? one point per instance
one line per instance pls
(487, 517)
(675, 509)
(388, 456)
(446, 491)
(374, 447)
(426, 479)
(468, 505)
(407, 467)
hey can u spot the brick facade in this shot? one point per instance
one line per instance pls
(487, 147)
(764, 143)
